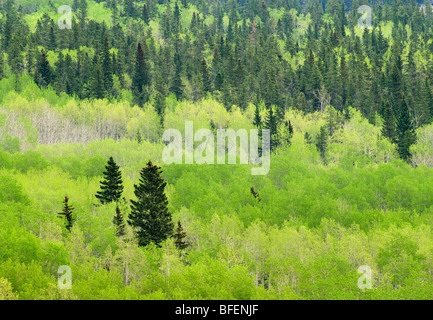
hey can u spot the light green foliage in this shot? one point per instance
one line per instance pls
(6, 292)
(423, 150)
(361, 137)
(314, 226)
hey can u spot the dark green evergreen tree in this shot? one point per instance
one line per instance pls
(271, 124)
(145, 14)
(307, 138)
(2, 61)
(388, 129)
(255, 194)
(96, 89)
(129, 8)
(68, 213)
(107, 66)
(177, 85)
(322, 142)
(180, 238)
(405, 132)
(43, 73)
(119, 222)
(205, 77)
(141, 78)
(112, 185)
(149, 215)
(52, 43)
(257, 118)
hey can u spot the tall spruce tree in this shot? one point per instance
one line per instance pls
(205, 77)
(129, 8)
(112, 185)
(141, 78)
(388, 129)
(68, 213)
(405, 132)
(149, 215)
(44, 73)
(257, 118)
(145, 14)
(107, 66)
(322, 142)
(119, 222)
(271, 124)
(177, 85)
(96, 88)
(52, 43)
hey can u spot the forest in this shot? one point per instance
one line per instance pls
(88, 88)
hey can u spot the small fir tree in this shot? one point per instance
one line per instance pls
(68, 213)
(406, 135)
(180, 238)
(112, 185)
(322, 142)
(119, 222)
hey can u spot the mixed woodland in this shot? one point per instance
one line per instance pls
(85, 100)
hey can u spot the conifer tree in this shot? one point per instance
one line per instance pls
(96, 82)
(119, 222)
(255, 194)
(43, 73)
(322, 142)
(307, 138)
(271, 124)
(257, 118)
(128, 8)
(388, 129)
(405, 132)
(1, 64)
(290, 128)
(219, 81)
(145, 14)
(180, 238)
(177, 86)
(112, 185)
(141, 78)
(395, 82)
(107, 66)
(207, 84)
(68, 213)
(29, 59)
(52, 43)
(149, 213)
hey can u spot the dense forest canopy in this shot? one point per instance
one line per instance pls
(84, 103)
(288, 54)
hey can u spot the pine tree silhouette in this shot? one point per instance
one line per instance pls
(388, 129)
(145, 14)
(271, 124)
(322, 142)
(406, 135)
(140, 78)
(149, 214)
(112, 185)
(179, 238)
(43, 73)
(257, 118)
(207, 84)
(119, 222)
(68, 213)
